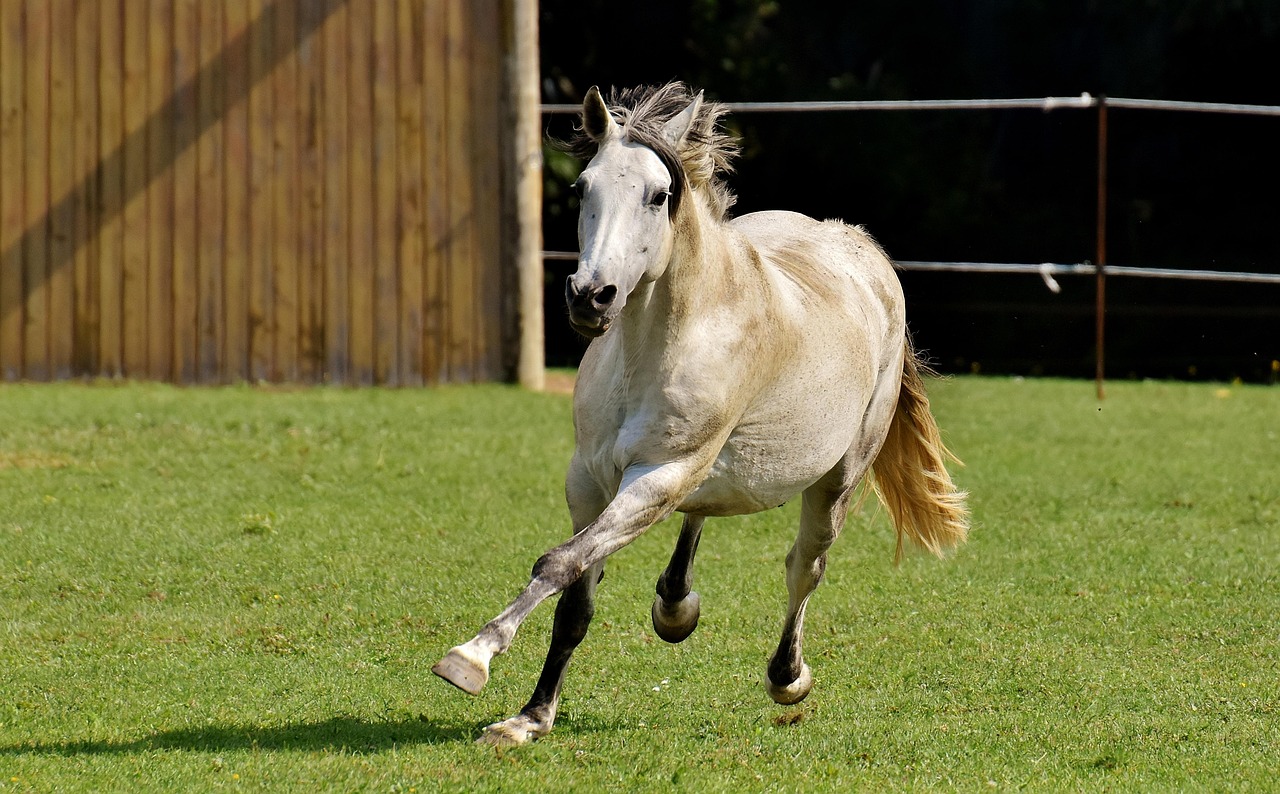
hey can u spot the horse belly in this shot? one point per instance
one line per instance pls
(754, 473)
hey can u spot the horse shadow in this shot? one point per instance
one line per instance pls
(347, 734)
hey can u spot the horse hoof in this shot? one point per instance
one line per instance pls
(463, 669)
(791, 693)
(520, 729)
(675, 622)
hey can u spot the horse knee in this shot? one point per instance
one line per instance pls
(558, 568)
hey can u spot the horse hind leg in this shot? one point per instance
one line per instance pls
(824, 507)
(676, 607)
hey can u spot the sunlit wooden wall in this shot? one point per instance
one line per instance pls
(206, 191)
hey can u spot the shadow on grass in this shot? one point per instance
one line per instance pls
(346, 734)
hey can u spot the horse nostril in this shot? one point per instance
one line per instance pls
(605, 296)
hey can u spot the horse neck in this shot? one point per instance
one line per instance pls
(697, 272)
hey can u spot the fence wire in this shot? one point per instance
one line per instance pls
(1084, 101)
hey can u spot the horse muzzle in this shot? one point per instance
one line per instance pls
(590, 331)
(591, 307)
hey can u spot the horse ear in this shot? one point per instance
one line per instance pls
(596, 118)
(677, 128)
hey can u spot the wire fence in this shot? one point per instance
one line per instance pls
(1100, 270)
(1048, 269)
(1046, 104)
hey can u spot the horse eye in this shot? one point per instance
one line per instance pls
(660, 199)
(579, 187)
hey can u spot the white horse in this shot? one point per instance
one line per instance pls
(734, 364)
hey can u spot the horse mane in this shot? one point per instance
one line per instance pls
(705, 155)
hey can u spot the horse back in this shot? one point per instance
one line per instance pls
(828, 273)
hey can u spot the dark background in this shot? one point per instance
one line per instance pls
(1187, 190)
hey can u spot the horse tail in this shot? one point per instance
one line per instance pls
(910, 474)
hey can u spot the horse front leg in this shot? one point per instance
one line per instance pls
(466, 666)
(676, 607)
(647, 496)
(573, 617)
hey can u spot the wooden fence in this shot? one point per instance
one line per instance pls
(206, 191)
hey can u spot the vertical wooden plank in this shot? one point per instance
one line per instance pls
(311, 291)
(262, 187)
(409, 201)
(236, 166)
(111, 224)
(386, 282)
(286, 209)
(12, 202)
(87, 217)
(486, 168)
(461, 259)
(360, 193)
(210, 204)
(36, 177)
(337, 323)
(160, 191)
(134, 329)
(186, 241)
(436, 188)
(62, 175)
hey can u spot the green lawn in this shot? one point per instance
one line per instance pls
(239, 588)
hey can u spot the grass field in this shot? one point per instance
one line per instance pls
(246, 589)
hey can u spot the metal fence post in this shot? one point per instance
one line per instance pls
(1100, 308)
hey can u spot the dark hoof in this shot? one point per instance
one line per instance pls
(794, 692)
(675, 622)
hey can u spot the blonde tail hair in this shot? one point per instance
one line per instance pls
(910, 473)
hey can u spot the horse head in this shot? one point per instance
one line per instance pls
(629, 193)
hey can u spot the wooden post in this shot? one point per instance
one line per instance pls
(522, 232)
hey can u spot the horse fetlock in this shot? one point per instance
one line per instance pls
(675, 620)
(788, 694)
(466, 667)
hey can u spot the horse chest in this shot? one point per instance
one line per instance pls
(657, 431)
